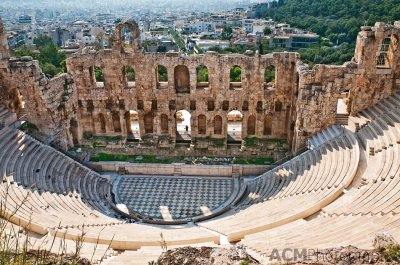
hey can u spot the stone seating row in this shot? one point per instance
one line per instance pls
(296, 190)
(48, 188)
(326, 135)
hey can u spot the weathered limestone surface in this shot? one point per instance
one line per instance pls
(301, 102)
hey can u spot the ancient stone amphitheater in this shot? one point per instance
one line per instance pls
(342, 190)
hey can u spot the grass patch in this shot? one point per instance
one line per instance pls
(254, 161)
(104, 138)
(104, 157)
(254, 141)
(27, 126)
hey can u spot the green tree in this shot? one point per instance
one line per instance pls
(236, 74)
(130, 73)
(202, 73)
(98, 73)
(226, 33)
(162, 73)
(267, 30)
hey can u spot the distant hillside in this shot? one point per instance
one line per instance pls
(337, 20)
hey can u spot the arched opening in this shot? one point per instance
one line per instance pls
(268, 125)
(164, 123)
(132, 126)
(235, 78)
(126, 37)
(102, 122)
(202, 124)
(162, 77)
(382, 59)
(202, 77)
(116, 122)
(251, 125)
(148, 122)
(130, 77)
(182, 79)
(98, 76)
(183, 126)
(234, 128)
(342, 114)
(269, 77)
(73, 129)
(217, 125)
(278, 106)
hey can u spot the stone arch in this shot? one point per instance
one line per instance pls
(218, 125)
(269, 77)
(202, 124)
(129, 75)
(148, 122)
(251, 125)
(202, 77)
(235, 77)
(162, 77)
(183, 123)
(164, 123)
(116, 122)
(234, 126)
(182, 79)
(278, 105)
(268, 125)
(127, 28)
(102, 121)
(132, 125)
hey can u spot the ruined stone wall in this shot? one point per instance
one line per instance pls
(300, 103)
(150, 97)
(365, 80)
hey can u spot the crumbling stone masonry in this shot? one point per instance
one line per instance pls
(300, 103)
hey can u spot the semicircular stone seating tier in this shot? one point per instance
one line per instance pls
(370, 205)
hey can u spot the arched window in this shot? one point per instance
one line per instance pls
(269, 77)
(73, 129)
(202, 76)
(164, 123)
(132, 125)
(182, 79)
(268, 125)
(116, 122)
(217, 124)
(235, 77)
(278, 106)
(148, 123)
(129, 74)
(162, 77)
(251, 125)
(202, 124)
(102, 122)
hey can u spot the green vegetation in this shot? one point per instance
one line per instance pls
(337, 22)
(226, 33)
(130, 73)
(269, 74)
(104, 138)
(217, 142)
(28, 127)
(51, 58)
(162, 73)
(178, 39)
(98, 73)
(202, 73)
(254, 141)
(392, 254)
(267, 30)
(134, 158)
(236, 74)
(254, 161)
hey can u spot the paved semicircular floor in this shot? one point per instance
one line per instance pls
(171, 198)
